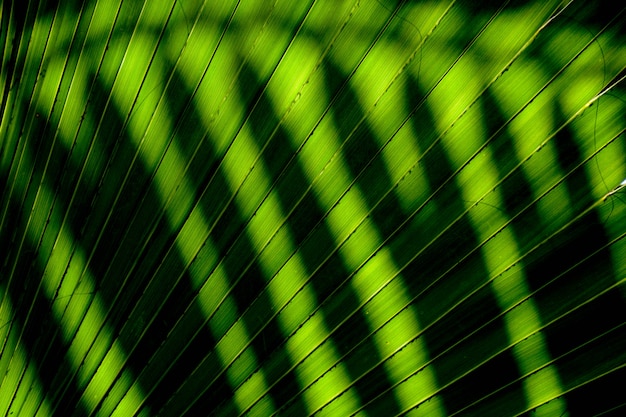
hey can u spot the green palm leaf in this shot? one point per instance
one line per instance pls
(323, 207)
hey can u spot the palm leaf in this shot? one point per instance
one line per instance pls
(323, 207)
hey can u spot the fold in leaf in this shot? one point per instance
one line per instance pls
(368, 207)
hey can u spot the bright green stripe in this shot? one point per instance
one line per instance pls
(234, 170)
(342, 219)
(137, 56)
(189, 249)
(18, 364)
(34, 57)
(63, 30)
(97, 383)
(133, 69)
(29, 376)
(88, 325)
(339, 188)
(513, 326)
(258, 239)
(273, 244)
(18, 175)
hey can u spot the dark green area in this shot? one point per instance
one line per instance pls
(565, 219)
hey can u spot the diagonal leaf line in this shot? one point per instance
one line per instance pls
(24, 143)
(13, 82)
(517, 55)
(201, 194)
(7, 287)
(612, 410)
(163, 211)
(169, 199)
(370, 48)
(82, 170)
(47, 161)
(97, 242)
(459, 262)
(539, 330)
(13, 67)
(556, 360)
(50, 66)
(399, 228)
(135, 101)
(235, 193)
(409, 218)
(199, 198)
(358, 175)
(476, 203)
(28, 314)
(294, 156)
(66, 212)
(560, 230)
(20, 246)
(618, 328)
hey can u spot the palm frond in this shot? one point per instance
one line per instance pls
(368, 207)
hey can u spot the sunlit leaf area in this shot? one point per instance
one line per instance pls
(312, 207)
